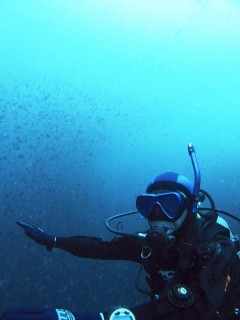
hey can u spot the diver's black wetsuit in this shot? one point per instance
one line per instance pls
(214, 261)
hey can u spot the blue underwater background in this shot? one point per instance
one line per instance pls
(96, 99)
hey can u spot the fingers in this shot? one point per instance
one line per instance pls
(24, 225)
(38, 235)
(32, 233)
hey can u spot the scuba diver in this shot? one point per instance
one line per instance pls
(189, 254)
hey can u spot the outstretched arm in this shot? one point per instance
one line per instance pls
(121, 248)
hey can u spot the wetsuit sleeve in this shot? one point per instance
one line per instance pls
(121, 248)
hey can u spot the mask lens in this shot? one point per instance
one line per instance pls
(170, 205)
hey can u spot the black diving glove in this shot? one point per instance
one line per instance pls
(46, 314)
(38, 235)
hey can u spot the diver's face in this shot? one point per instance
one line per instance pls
(169, 225)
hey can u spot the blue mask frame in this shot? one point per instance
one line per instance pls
(171, 205)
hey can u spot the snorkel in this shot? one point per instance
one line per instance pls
(197, 177)
(195, 198)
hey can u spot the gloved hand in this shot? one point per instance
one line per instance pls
(38, 235)
(46, 314)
